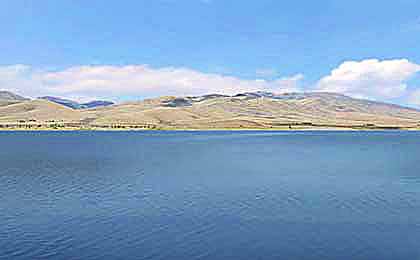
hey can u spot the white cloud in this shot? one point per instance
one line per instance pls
(135, 80)
(370, 78)
(17, 78)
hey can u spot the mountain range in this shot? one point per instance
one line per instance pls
(251, 110)
(77, 105)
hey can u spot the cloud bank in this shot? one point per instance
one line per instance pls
(138, 80)
(385, 80)
(371, 78)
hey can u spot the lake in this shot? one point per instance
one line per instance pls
(210, 195)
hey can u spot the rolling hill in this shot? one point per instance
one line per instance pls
(7, 98)
(41, 111)
(256, 110)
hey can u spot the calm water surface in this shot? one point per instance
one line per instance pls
(210, 195)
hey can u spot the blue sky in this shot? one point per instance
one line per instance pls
(48, 46)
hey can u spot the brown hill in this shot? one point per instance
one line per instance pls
(40, 111)
(247, 110)
(258, 110)
(7, 98)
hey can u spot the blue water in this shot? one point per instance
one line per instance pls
(210, 195)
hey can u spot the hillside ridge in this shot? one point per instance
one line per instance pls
(249, 110)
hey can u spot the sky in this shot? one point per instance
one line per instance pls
(136, 49)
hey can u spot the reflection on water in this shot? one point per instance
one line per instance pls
(210, 195)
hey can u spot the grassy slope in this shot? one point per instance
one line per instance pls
(322, 110)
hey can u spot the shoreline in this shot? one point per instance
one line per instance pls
(286, 129)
